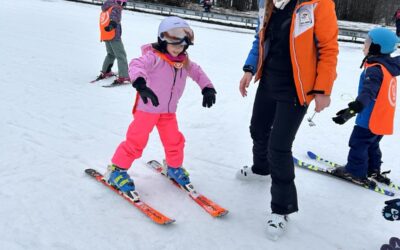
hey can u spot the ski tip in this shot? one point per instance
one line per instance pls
(311, 155)
(151, 162)
(168, 222)
(222, 214)
(389, 193)
(90, 171)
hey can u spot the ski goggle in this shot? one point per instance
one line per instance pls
(178, 36)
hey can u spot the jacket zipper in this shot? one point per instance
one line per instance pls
(295, 56)
(173, 85)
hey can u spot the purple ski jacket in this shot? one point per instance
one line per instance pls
(166, 81)
(116, 15)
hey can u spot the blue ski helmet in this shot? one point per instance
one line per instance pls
(385, 38)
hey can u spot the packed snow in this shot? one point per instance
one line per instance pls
(55, 124)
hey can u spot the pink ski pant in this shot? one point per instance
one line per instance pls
(138, 135)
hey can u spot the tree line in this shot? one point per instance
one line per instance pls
(369, 11)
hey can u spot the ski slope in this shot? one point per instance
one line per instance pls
(55, 124)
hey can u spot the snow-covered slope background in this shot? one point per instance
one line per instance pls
(55, 124)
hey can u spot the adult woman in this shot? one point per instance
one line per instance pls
(294, 55)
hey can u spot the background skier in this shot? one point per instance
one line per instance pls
(375, 106)
(397, 20)
(110, 34)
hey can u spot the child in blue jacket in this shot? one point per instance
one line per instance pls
(375, 106)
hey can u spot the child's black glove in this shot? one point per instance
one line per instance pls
(345, 114)
(140, 85)
(110, 26)
(208, 96)
(392, 210)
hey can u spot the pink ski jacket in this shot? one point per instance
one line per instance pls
(166, 81)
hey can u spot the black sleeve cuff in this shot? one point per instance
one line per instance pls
(249, 68)
(313, 92)
(208, 90)
(357, 106)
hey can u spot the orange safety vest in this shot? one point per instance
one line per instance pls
(313, 46)
(382, 117)
(104, 22)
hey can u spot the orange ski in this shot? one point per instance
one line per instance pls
(211, 207)
(150, 212)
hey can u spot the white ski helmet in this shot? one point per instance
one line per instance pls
(175, 30)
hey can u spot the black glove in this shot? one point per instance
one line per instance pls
(392, 210)
(140, 85)
(208, 96)
(345, 114)
(110, 26)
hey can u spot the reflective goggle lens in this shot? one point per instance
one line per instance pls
(178, 36)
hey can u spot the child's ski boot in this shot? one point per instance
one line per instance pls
(121, 80)
(380, 177)
(179, 175)
(120, 179)
(104, 75)
(343, 173)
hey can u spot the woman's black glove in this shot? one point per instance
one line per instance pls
(345, 114)
(140, 85)
(208, 96)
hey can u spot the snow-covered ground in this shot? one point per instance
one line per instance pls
(55, 124)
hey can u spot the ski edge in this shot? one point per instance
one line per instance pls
(318, 158)
(305, 165)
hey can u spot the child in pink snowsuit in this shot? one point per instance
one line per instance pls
(159, 77)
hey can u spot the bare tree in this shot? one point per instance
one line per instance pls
(254, 5)
(241, 5)
(225, 3)
(369, 11)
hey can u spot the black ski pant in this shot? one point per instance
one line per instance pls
(273, 128)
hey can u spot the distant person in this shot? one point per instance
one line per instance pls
(110, 34)
(397, 18)
(159, 77)
(207, 4)
(294, 55)
(374, 106)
